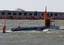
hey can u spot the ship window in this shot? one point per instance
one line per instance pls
(9, 13)
(20, 13)
(42, 14)
(30, 13)
(55, 14)
(25, 13)
(14, 13)
(51, 14)
(3, 13)
(35, 13)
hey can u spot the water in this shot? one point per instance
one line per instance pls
(23, 23)
(31, 38)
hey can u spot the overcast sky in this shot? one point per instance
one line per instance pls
(34, 5)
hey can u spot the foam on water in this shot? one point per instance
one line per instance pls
(6, 31)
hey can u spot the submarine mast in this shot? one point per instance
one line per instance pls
(46, 18)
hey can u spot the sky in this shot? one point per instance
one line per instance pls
(32, 5)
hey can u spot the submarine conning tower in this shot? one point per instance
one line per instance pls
(46, 18)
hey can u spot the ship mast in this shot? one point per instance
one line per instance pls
(46, 18)
(4, 27)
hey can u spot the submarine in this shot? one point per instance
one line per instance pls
(28, 28)
(37, 28)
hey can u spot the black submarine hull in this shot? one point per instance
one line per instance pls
(28, 28)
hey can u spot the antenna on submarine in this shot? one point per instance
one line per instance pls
(45, 8)
(46, 18)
